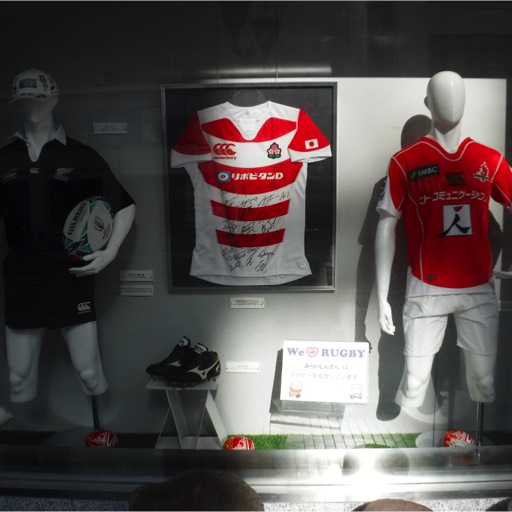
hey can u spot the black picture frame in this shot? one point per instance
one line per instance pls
(319, 100)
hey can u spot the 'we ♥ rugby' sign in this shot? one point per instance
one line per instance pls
(325, 371)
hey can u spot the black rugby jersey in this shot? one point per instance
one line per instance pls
(36, 197)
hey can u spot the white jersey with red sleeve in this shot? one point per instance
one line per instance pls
(444, 198)
(248, 166)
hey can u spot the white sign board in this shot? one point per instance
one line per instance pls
(325, 371)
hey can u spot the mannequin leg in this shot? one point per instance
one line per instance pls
(480, 376)
(415, 381)
(82, 341)
(425, 320)
(23, 348)
(477, 336)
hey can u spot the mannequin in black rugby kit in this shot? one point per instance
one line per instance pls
(23, 345)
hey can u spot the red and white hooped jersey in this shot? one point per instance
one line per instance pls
(248, 166)
(444, 198)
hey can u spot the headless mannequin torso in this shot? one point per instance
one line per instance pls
(445, 100)
(23, 345)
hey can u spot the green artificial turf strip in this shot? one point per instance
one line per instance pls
(267, 441)
(394, 440)
(278, 441)
(410, 440)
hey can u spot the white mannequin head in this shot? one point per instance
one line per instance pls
(34, 94)
(34, 111)
(446, 99)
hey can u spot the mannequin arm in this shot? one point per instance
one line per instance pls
(123, 221)
(385, 243)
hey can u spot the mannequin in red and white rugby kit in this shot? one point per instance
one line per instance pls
(42, 173)
(442, 185)
(248, 166)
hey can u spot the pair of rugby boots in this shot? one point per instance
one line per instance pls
(187, 365)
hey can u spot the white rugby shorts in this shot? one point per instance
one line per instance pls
(476, 320)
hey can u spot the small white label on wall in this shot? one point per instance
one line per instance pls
(136, 290)
(242, 366)
(136, 275)
(247, 302)
(110, 128)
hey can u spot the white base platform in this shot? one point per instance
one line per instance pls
(203, 395)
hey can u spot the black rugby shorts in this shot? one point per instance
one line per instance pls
(40, 292)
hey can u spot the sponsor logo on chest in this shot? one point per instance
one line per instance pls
(228, 151)
(483, 173)
(227, 176)
(224, 151)
(456, 220)
(9, 175)
(452, 178)
(426, 171)
(61, 174)
(455, 178)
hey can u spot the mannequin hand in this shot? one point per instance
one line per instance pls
(98, 261)
(386, 318)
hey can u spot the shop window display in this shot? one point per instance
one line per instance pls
(360, 75)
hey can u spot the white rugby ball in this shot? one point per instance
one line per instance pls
(88, 227)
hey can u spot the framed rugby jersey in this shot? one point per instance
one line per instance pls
(250, 183)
